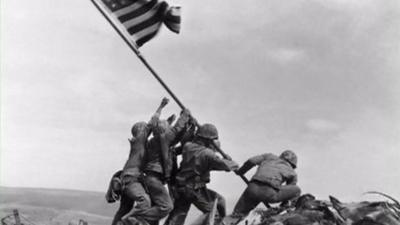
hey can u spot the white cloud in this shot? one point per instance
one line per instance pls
(350, 4)
(286, 55)
(322, 125)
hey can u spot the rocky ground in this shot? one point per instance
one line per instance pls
(308, 210)
(67, 207)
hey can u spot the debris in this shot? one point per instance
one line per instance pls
(308, 210)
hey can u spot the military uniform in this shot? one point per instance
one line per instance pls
(192, 177)
(266, 185)
(157, 169)
(134, 198)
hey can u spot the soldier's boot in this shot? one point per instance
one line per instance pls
(231, 220)
(218, 220)
(285, 205)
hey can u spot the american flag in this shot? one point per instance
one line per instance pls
(142, 19)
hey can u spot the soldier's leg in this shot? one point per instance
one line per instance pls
(135, 191)
(204, 200)
(124, 207)
(248, 201)
(160, 199)
(221, 203)
(286, 193)
(181, 208)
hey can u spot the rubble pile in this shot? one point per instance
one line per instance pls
(308, 210)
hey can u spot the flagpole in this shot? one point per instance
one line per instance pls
(135, 49)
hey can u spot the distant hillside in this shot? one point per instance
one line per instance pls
(60, 207)
(56, 207)
(48, 216)
(86, 201)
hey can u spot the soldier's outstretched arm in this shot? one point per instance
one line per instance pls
(179, 125)
(216, 163)
(245, 167)
(216, 145)
(253, 161)
(163, 103)
(250, 163)
(156, 116)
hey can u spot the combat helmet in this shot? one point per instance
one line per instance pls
(290, 157)
(138, 127)
(208, 131)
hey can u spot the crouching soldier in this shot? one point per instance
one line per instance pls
(133, 196)
(266, 185)
(198, 159)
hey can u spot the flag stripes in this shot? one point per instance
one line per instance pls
(150, 6)
(173, 19)
(142, 19)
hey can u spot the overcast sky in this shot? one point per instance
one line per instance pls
(320, 77)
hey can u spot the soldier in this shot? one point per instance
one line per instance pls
(133, 197)
(158, 166)
(266, 185)
(198, 159)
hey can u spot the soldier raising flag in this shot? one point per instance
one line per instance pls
(267, 183)
(137, 21)
(198, 159)
(132, 193)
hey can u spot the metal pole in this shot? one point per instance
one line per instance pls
(17, 218)
(134, 48)
(161, 81)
